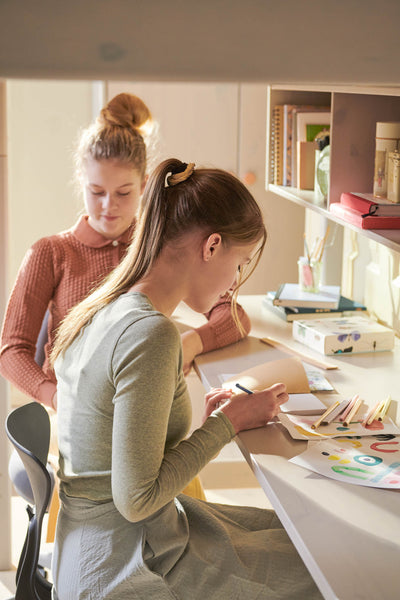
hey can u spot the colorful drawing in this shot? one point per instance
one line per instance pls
(373, 461)
(299, 427)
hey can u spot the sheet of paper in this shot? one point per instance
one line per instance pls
(299, 427)
(303, 404)
(373, 461)
(287, 370)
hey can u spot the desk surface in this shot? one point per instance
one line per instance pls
(347, 535)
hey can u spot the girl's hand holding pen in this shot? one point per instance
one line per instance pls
(248, 411)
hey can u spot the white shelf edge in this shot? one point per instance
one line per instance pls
(378, 90)
(387, 237)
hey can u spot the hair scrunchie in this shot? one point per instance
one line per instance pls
(176, 178)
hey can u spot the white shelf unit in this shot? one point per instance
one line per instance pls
(354, 113)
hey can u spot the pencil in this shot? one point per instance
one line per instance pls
(384, 408)
(306, 249)
(314, 247)
(305, 357)
(321, 250)
(326, 413)
(352, 413)
(375, 412)
(371, 412)
(338, 410)
(349, 407)
(241, 387)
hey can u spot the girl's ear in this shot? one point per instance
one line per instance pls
(144, 184)
(211, 245)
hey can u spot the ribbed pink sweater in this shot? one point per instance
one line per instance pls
(57, 273)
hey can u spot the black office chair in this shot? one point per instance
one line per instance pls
(28, 428)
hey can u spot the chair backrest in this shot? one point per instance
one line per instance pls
(42, 340)
(28, 428)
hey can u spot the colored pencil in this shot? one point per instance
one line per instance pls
(338, 410)
(326, 413)
(370, 413)
(352, 413)
(349, 407)
(384, 409)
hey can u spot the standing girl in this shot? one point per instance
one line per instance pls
(60, 270)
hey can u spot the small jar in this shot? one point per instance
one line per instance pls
(309, 274)
(387, 140)
(393, 187)
(322, 164)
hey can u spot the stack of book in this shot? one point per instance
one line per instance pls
(293, 129)
(366, 211)
(290, 304)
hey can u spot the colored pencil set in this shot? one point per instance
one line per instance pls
(346, 411)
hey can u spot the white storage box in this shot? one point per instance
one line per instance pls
(344, 335)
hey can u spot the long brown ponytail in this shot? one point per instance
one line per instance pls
(211, 200)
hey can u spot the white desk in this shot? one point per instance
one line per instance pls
(347, 535)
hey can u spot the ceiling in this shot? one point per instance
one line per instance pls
(276, 41)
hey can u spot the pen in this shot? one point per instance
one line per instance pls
(241, 387)
(326, 413)
(352, 413)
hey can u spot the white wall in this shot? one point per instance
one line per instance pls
(44, 118)
(224, 125)
(5, 502)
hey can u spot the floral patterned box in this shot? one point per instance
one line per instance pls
(344, 335)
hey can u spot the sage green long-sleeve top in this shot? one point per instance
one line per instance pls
(124, 531)
(124, 412)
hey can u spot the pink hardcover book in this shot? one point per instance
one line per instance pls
(369, 204)
(363, 220)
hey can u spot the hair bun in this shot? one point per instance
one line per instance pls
(125, 110)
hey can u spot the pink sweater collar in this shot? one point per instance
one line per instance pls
(83, 232)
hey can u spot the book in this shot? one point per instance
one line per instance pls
(271, 172)
(344, 335)
(346, 307)
(287, 144)
(363, 220)
(289, 371)
(370, 204)
(300, 108)
(277, 117)
(283, 139)
(290, 294)
(309, 124)
(306, 165)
